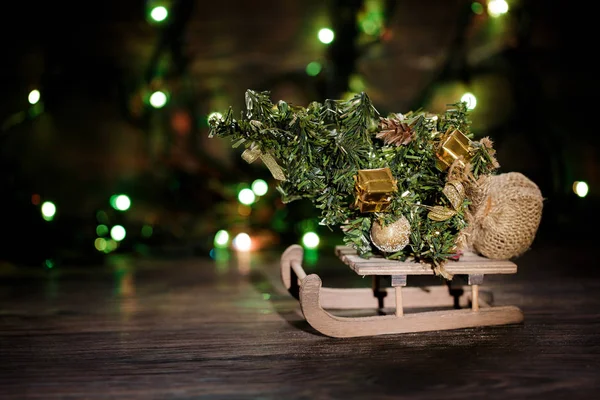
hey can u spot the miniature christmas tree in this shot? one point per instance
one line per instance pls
(395, 185)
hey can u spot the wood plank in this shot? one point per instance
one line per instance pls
(470, 263)
(197, 329)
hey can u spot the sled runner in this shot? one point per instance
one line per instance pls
(469, 310)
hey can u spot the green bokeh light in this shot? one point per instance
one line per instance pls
(159, 13)
(313, 68)
(326, 35)
(260, 187)
(120, 202)
(34, 97)
(147, 231)
(118, 233)
(477, 8)
(48, 210)
(246, 196)
(158, 99)
(310, 240)
(221, 239)
(102, 230)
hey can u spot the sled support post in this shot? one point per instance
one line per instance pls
(379, 292)
(475, 280)
(397, 282)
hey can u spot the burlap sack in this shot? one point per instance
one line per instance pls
(504, 215)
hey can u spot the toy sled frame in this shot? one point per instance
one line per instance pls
(315, 299)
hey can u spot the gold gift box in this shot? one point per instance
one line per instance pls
(374, 189)
(454, 146)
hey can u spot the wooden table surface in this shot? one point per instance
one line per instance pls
(201, 329)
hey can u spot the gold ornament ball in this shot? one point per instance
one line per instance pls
(392, 237)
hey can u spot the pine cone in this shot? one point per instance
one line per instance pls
(395, 132)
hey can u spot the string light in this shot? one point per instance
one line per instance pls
(470, 99)
(326, 35)
(111, 245)
(214, 115)
(120, 202)
(313, 68)
(260, 187)
(100, 244)
(246, 196)
(310, 240)
(580, 188)
(158, 99)
(477, 8)
(221, 239)
(34, 96)
(118, 233)
(101, 230)
(242, 242)
(48, 210)
(159, 13)
(497, 7)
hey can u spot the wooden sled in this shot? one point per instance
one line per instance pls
(315, 299)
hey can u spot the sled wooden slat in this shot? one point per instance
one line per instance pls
(468, 264)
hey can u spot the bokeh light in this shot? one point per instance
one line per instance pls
(159, 13)
(470, 99)
(214, 116)
(118, 233)
(34, 96)
(147, 231)
(326, 35)
(122, 202)
(221, 239)
(310, 240)
(313, 68)
(580, 188)
(242, 242)
(158, 99)
(48, 210)
(100, 244)
(246, 196)
(101, 230)
(260, 187)
(497, 7)
(477, 8)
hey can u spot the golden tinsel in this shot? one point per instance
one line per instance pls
(394, 131)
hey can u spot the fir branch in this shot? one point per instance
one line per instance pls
(456, 116)
(322, 147)
(357, 235)
(483, 161)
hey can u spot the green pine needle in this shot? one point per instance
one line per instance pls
(321, 148)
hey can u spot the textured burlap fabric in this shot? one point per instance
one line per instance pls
(504, 215)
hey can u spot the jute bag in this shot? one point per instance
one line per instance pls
(504, 215)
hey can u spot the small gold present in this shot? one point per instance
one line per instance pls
(374, 189)
(455, 146)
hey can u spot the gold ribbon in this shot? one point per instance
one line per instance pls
(455, 193)
(252, 153)
(439, 213)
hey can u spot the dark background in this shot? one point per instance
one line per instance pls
(93, 134)
(163, 314)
